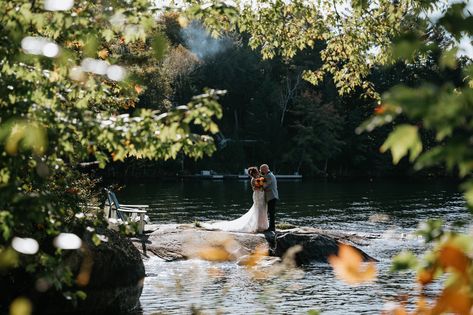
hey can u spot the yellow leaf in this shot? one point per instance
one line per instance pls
(103, 53)
(348, 266)
(183, 22)
(20, 306)
(17, 133)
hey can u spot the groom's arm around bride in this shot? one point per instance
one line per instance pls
(271, 194)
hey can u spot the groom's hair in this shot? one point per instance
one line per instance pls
(264, 165)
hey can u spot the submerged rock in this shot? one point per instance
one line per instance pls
(174, 242)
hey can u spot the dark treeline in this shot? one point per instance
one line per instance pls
(271, 114)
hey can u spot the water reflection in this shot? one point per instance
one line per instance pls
(387, 211)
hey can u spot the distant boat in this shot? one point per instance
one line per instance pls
(206, 174)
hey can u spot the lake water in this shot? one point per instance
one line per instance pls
(388, 210)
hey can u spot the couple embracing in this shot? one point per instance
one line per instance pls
(265, 196)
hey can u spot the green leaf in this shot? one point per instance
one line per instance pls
(403, 139)
(81, 294)
(449, 59)
(403, 261)
(160, 46)
(8, 258)
(213, 128)
(96, 239)
(101, 158)
(108, 34)
(91, 45)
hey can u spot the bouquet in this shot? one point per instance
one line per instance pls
(259, 182)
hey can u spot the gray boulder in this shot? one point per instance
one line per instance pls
(182, 241)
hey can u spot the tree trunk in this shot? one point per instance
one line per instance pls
(288, 93)
(235, 115)
(299, 165)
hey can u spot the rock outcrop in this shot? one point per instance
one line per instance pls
(173, 242)
(111, 274)
(116, 276)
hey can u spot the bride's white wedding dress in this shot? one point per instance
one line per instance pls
(255, 220)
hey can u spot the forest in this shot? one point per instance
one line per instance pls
(271, 114)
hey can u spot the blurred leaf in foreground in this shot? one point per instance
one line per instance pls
(21, 306)
(403, 139)
(348, 266)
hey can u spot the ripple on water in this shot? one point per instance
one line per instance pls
(173, 288)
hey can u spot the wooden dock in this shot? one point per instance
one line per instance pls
(237, 177)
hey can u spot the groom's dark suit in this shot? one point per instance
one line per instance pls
(271, 196)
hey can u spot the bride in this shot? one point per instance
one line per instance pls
(256, 219)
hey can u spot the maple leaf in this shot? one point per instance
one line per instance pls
(348, 266)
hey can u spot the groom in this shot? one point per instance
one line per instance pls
(271, 194)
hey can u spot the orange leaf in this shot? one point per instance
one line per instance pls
(452, 299)
(103, 53)
(259, 253)
(400, 310)
(138, 89)
(451, 256)
(422, 306)
(349, 266)
(379, 109)
(395, 310)
(214, 253)
(425, 276)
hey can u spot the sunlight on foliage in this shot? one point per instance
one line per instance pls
(348, 266)
(70, 81)
(23, 134)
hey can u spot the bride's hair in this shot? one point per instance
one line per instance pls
(253, 171)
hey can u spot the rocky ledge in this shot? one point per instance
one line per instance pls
(111, 274)
(182, 241)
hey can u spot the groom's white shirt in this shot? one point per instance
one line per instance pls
(270, 187)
